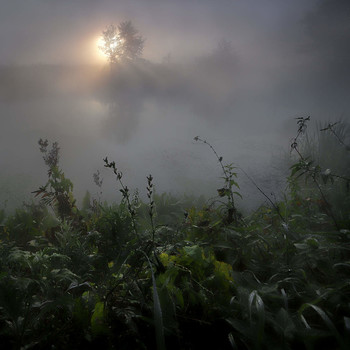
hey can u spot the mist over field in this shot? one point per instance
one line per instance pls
(235, 73)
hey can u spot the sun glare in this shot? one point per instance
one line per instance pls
(108, 49)
(100, 43)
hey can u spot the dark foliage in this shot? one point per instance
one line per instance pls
(172, 274)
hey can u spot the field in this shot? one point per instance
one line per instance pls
(183, 273)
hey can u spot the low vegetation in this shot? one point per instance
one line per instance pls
(170, 273)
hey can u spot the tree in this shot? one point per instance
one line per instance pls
(122, 42)
(131, 43)
(110, 43)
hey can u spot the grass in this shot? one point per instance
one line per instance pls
(176, 273)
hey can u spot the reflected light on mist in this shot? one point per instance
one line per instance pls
(94, 111)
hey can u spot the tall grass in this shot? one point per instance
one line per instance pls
(179, 273)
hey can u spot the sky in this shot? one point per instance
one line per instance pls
(42, 31)
(286, 59)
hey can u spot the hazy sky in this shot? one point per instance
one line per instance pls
(289, 58)
(65, 31)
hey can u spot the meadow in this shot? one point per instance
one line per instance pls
(172, 272)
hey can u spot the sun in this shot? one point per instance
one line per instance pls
(107, 49)
(101, 44)
(110, 44)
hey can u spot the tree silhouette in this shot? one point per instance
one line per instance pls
(110, 43)
(122, 42)
(131, 42)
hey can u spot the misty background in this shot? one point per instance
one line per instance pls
(234, 72)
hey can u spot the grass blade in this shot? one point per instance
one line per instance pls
(157, 311)
(326, 320)
(232, 341)
(260, 309)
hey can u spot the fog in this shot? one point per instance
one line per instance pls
(236, 73)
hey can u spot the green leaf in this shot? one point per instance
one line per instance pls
(328, 322)
(301, 246)
(260, 309)
(232, 341)
(325, 319)
(157, 311)
(98, 325)
(234, 183)
(195, 252)
(158, 317)
(238, 194)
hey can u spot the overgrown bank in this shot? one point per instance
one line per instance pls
(176, 274)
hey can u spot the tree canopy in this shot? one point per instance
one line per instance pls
(122, 42)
